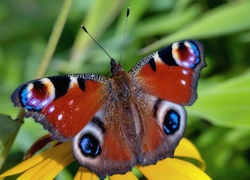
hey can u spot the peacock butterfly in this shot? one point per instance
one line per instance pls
(118, 122)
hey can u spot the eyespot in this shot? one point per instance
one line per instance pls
(37, 94)
(87, 144)
(186, 54)
(90, 146)
(171, 122)
(170, 117)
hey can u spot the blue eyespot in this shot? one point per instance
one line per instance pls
(171, 122)
(26, 97)
(35, 96)
(196, 52)
(90, 146)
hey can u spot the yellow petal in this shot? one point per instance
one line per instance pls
(23, 166)
(60, 165)
(84, 174)
(31, 165)
(58, 158)
(173, 169)
(129, 175)
(187, 149)
(49, 163)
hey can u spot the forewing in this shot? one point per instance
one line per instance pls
(62, 104)
(171, 73)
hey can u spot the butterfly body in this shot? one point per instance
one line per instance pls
(117, 122)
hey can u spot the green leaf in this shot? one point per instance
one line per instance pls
(172, 22)
(8, 132)
(225, 104)
(226, 19)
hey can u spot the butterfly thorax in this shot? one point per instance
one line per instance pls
(126, 103)
(122, 83)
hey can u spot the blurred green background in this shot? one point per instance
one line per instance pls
(219, 121)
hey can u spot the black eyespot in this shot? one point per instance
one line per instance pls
(182, 46)
(38, 85)
(90, 146)
(171, 122)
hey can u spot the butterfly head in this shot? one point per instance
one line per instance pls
(115, 68)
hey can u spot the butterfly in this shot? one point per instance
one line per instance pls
(118, 122)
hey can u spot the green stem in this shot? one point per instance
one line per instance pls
(54, 38)
(51, 46)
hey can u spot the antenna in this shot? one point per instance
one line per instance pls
(123, 39)
(124, 33)
(96, 42)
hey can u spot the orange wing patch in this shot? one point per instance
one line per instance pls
(172, 83)
(71, 112)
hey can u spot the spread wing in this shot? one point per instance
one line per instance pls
(62, 104)
(171, 73)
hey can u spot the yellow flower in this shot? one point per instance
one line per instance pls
(49, 163)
